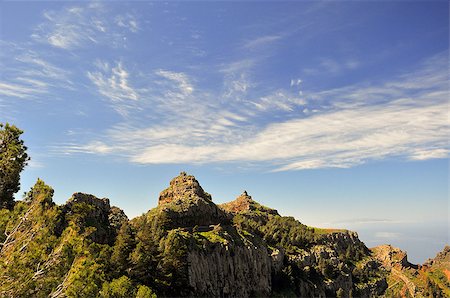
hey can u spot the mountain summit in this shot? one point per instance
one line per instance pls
(183, 187)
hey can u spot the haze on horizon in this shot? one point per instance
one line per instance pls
(334, 113)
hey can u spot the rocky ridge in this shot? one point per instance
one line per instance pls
(224, 259)
(189, 246)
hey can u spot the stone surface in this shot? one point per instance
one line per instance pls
(185, 204)
(245, 203)
(391, 256)
(183, 186)
(230, 271)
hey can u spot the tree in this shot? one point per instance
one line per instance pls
(13, 158)
(123, 247)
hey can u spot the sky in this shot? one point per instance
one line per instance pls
(336, 113)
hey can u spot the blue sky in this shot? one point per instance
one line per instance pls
(335, 113)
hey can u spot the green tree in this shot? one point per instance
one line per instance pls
(145, 292)
(13, 158)
(123, 247)
(118, 288)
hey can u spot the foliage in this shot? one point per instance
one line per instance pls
(119, 288)
(13, 159)
(145, 292)
(123, 247)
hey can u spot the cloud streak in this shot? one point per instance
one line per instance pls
(113, 82)
(79, 26)
(406, 118)
(29, 75)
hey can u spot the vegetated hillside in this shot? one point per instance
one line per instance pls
(187, 246)
(432, 279)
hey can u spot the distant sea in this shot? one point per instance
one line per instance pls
(421, 240)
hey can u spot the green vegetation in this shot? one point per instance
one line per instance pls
(13, 158)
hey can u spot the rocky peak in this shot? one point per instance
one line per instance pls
(391, 256)
(183, 186)
(241, 203)
(89, 199)
(185, 204)
(244, 203)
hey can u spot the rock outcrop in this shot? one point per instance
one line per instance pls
(225, 260)
(183, 187)
(245, 203)
(432, 279)
(189, 246)
(391, 256)
(185, 204)
(89, 211)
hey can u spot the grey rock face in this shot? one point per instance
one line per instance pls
(230, 271)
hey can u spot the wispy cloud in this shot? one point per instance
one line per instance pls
(261, 41)
(28, 75)
(114, 83)
(405, 117)
(279, 100)
(180, 79)
(82, 25)
(127, 21)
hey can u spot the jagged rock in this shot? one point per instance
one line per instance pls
(391, 256)
(182, 187)
(185, 204)
(116, 217)
(245, 203)
(90, 211)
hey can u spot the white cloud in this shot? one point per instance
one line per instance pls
(181, 79)
(405, 117)
(127, 21)
(28, 75)
(21, 91)
(113, 83)
(80, 26)
(430, 154)
(279, 100)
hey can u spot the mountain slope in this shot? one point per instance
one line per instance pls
(432, 279)
(186, 246)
